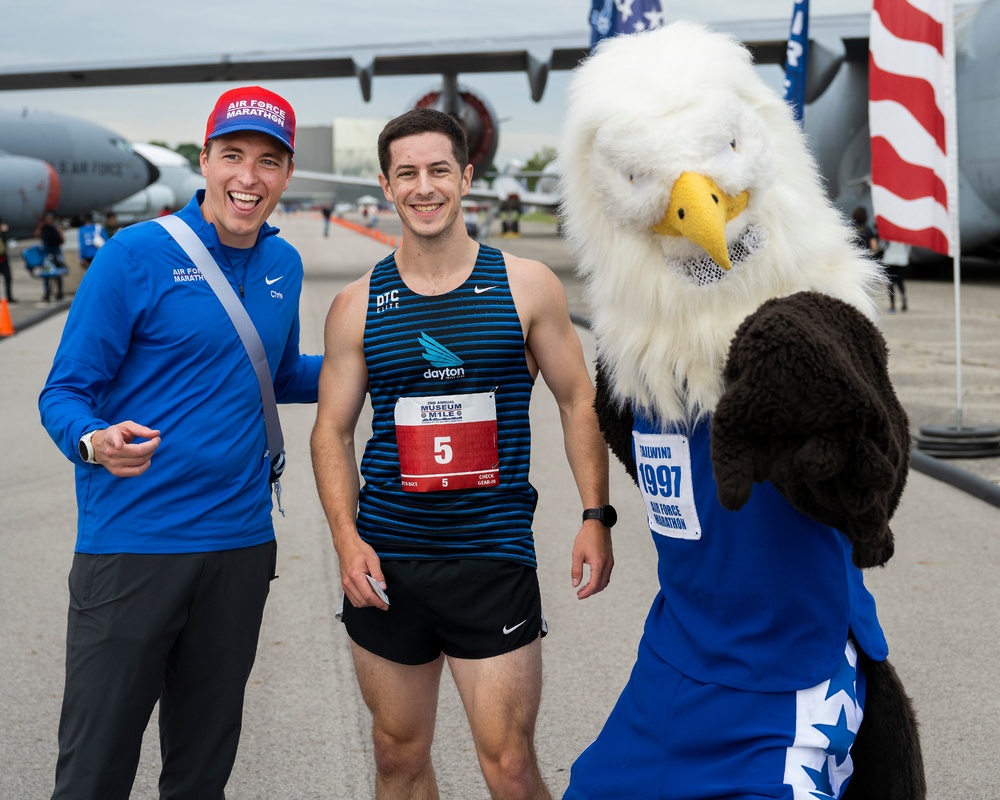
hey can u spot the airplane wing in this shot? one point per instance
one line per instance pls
(768, 38)
(503, 188)
(534, 55)
(507, 189)
(308, 184)
(361, 62)
(338, 180)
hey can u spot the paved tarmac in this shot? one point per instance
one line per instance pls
(306, 730)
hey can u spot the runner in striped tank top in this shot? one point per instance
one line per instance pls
(437, 559)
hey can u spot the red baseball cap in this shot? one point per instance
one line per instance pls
(253, 108)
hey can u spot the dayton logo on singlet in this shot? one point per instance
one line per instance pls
(447, 363)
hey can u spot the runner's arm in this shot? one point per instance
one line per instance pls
(343, 385)
(553, 344)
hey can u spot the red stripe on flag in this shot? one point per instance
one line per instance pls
(903, 179)
(929, 238)
(914, 94)
(898, 25)
(906, 22)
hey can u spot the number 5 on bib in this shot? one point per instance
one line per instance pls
(447, 442)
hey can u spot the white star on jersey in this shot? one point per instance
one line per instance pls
(624, 8)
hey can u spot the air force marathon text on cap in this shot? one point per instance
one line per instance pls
(253, 108)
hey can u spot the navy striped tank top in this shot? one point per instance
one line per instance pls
(466, 342)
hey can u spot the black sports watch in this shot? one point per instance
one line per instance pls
(605, 514)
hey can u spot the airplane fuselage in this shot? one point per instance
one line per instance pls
(52, 162)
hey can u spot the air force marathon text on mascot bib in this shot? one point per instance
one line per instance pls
(663, 463)
(447, 442)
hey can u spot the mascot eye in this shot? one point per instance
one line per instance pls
(637, 180)
(726, 157)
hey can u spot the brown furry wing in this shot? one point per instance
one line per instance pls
(615, 420)
(809, 406)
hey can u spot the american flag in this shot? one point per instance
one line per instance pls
(611, 17)
(911, 113)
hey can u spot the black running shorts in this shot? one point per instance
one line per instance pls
(466, 608)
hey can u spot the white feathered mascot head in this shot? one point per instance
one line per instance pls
(690, 198)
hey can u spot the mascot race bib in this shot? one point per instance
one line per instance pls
(663, 465)
(447, 442)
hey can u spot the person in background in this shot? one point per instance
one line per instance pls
(52, 240)
(471, 218)
(154, 398)
(864, 236)
(5, 260)
(111, 225)
(896, 260)
(92, 236)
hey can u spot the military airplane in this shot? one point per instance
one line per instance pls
(176, 183)
(836, 114)
(70, 166)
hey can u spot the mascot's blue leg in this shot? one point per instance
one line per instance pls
(627, 759)
(673, 738)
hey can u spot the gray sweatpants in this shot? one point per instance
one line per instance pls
(178, 628)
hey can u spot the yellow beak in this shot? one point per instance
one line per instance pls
(699, 211)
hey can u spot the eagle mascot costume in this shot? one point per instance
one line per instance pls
(744, 386)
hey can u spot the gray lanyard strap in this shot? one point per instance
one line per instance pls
(210, 271)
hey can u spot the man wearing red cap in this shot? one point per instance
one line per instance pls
(155, 399)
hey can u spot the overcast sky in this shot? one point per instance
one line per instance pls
(60, 32)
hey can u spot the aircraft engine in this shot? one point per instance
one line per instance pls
(145, 204)
(28, 188)
(477, 117)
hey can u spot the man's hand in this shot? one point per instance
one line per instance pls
(357, 561)
(592, 547)
(114, 449)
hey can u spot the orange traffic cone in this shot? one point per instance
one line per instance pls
(6, 323)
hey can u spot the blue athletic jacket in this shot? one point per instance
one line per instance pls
(147, 340)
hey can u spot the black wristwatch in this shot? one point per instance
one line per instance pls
(605, 514)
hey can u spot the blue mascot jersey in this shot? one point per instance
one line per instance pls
(760, 599)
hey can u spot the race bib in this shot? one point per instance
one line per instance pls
(663, 465)
(447, 442)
